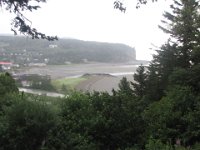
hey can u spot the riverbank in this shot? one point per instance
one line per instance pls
(98, 79)
(102, 83)
(76, 70)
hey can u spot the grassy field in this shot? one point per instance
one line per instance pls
(67, 84)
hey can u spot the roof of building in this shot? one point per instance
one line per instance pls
(5, 63)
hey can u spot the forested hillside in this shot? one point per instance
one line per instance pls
(62, 51)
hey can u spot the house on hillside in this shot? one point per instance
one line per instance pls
(53, 46)
(5, 65)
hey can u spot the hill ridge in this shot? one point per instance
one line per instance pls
(64, 50)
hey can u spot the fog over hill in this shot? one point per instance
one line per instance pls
(23, 50)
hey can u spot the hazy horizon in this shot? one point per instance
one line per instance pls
(92, 20)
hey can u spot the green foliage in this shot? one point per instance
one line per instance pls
(178, 52)
(179, 101)
(183, 25)
(139, 84)
(7, 84)
(178, 77)
(8, 90)
(66, 85)
(186, 77)
(36, 82)
(26, 124)
(154, 144)
(125, 86)
(159, 70)
(97, 121)
(196, 146)
(154, 90)
(76, 119)
(172, 84)
(43, 84)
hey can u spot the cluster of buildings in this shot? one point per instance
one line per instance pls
(21, 58)
(5, 65)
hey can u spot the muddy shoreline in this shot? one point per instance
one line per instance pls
(105, 77)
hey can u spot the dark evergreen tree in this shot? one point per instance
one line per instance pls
(125, 87)
(173, 78)
(159, 71)
(139, 84)
(153, 90)
(183, 26)
(180, 51)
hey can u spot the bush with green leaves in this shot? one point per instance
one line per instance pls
(174, 116)
(25, 123)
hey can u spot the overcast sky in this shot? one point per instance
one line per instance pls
(96, 20)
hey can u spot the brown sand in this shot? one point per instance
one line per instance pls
(101, 83)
